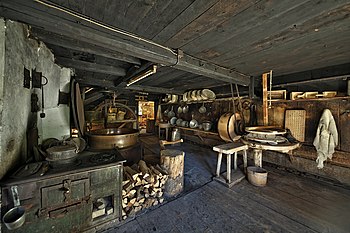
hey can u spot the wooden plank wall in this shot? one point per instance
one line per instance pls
(314, 109)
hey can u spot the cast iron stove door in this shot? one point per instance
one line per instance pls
(65, 197)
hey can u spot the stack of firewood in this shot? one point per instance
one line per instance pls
(142, 187)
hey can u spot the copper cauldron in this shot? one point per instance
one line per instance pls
(112, 138)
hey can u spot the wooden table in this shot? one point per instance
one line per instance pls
(259, 147)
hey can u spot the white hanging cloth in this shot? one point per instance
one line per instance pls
(326, 138)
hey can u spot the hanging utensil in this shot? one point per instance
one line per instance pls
(42, 114)
(185, 109)
(171, 113)
(179, 110)
(202, 109)
(166, 112)
(193, 123)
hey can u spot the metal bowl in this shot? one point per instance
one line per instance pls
(179, 122)
(184, 124)
(194, 95)
(193, 123)
(207, 125)
(173, 120)
(199, 95)
(14, 218)
(184, 97)
(208, 94)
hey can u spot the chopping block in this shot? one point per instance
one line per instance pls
(173, 162)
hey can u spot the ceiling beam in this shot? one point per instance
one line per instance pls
(52, 18)
(93, 98)
(109, 85)
(89, 66)
(153, 89)
(69, 43)
(134, 70)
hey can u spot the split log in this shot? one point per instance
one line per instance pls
(143, 187)
(131, 172)
(173, 162)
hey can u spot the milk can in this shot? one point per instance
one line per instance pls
(175, 135)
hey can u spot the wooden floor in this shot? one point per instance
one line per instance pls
(289, 203)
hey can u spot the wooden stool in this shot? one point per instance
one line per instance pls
(229, 149)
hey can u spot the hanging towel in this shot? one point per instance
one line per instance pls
(326, 138)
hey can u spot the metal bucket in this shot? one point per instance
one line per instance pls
(15, 217)
(257, 176)
(175, 135)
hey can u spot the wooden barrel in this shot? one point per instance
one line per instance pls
(226, 126)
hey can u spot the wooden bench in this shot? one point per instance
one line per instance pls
(229, 149)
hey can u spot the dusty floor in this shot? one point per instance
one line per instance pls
(289, 203)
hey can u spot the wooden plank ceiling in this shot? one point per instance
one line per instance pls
(249, 36)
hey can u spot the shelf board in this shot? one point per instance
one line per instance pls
(197, 130)
(314, 99)
(122, 121)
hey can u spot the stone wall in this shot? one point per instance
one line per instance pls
(16, 52)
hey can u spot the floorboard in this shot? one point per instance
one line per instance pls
(289, 203)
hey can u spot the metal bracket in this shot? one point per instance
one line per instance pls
(66, 190)
(63, 98)
(26, 78)
(36, 79)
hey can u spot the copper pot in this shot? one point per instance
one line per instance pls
(112, 138)
(226, 126)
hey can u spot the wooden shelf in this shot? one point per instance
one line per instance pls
(197, 130)
(207, 101)
(315, 99)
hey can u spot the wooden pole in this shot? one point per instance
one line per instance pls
(265, 107)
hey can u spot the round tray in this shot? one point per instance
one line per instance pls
(266, 130)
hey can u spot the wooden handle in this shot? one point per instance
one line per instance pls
(162, 143)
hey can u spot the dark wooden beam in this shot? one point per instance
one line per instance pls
(89, 66)
(312, 75)
(153, 89)
(66, 42)
(252, 88)
(95, 83)
(54, 20)
(131, 73)
(92, 98)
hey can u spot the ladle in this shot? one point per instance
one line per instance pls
(202, 109)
